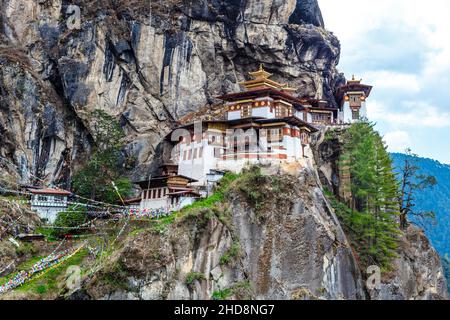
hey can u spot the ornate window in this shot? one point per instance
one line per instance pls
(321, 117)
(281, 112)
(355, 101)
(275, 135)
(304, 136)
(246, 111)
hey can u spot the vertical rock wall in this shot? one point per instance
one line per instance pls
(147, 63)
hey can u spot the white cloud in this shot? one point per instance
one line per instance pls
(397, 141)
(353, 20)
(400, 47)
(408, 114)
(394, 81)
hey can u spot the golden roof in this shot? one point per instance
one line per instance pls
(354, 80)
(261, 79)
(261, 73)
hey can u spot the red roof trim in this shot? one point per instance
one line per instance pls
(50, 191)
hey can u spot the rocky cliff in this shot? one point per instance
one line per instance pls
(150, 64)
(417, 272)
(268, 233)
(146, 62)
(288, 246)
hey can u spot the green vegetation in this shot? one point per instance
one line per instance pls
(115, 275)
(231, 254)
(72, 218)
(203, 210)
(106, 165)
(250, 185)
(26, 249)
(242, 290)
(222, 294)
(411, 183)
(370, 218)
(194, 276)
(255, 187)
(48, 282)
(431, 210)
(218, 196)
(330, 135)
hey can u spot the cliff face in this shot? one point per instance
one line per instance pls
(417, 271)
(286, 244)
(290, 246)
(148, 65)
(271, 236)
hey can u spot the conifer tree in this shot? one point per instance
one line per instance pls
(411, 183)
(374, 210)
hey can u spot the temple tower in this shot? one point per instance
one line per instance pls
(352, 101)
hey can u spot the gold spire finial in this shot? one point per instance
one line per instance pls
(354, 80)
(261, 73)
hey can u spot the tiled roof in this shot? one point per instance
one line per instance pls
(50, 191)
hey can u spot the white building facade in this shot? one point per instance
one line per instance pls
(352, 97)
(165, 193)
(49, 202)
(263, 125)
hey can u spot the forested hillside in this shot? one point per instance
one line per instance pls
(435, 199)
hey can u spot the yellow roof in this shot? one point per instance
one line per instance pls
(261, 79)
(261, 73)
(354, 80)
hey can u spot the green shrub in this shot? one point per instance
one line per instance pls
(194, 276)
(41, 289)
(25, 249)
(107, 162)
(241, 290)
(250, 185)
(231, 253)
(67, 220)
(222, 294)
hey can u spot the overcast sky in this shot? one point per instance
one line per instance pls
(402, 47)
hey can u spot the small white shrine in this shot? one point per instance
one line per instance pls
(49, 202)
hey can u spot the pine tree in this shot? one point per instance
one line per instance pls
(373, 214)
(94, 179)
(411, 183)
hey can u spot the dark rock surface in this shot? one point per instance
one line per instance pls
(148, 65)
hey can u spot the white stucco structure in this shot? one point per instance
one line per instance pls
(265, 125)
(353, 97)
(49, 202)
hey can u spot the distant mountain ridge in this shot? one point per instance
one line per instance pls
(436, 199)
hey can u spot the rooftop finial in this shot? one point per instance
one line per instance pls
(260, 73)
(354, 80)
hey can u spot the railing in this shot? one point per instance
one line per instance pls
(48, 204)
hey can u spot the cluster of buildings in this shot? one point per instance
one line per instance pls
(263, 124)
